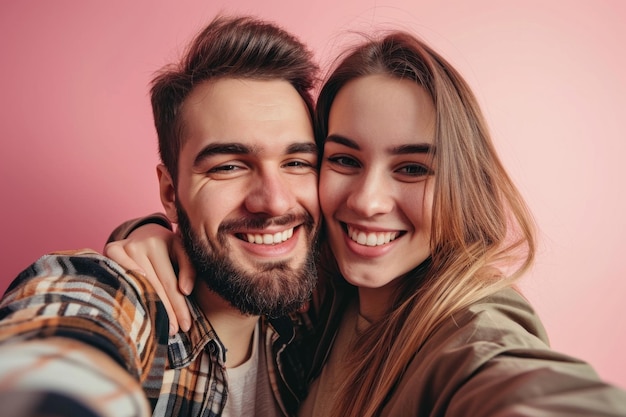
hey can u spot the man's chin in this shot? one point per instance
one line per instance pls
(253, 264)
(264, 280)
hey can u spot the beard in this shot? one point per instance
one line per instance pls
(274, 289)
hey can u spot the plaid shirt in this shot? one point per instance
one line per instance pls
(87, 297)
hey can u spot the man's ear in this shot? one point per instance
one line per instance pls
(168, 193)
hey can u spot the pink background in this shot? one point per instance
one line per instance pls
(79, 149)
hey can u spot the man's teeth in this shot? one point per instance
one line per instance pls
(269, 239)
(372, 238)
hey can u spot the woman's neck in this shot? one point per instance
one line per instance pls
(374, 303)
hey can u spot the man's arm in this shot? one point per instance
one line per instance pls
(61, 377)
(90, 300)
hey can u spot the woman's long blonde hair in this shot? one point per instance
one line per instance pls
(483, 236)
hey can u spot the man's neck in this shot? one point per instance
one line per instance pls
(234, 328)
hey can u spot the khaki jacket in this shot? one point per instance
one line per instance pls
(491, 359)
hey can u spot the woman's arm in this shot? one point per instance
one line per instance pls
(148, 246)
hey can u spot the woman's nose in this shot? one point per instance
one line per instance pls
(371, 196)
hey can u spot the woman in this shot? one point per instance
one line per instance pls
(426, 235)
(407, 155)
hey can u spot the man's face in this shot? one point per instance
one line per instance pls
(246, 199)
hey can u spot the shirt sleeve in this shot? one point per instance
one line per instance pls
(496, 361)
(61, 377)
(537, 383)
(88, 298)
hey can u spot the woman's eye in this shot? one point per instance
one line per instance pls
(416, 170)
(345, 161)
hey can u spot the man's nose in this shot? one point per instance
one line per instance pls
(270, 194)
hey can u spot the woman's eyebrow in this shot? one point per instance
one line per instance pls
(413, 148)
(342, 140)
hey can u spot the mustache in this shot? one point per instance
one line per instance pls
(234, 225)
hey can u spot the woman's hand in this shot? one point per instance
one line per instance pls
(153, 251)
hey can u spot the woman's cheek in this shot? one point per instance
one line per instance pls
(334, 189)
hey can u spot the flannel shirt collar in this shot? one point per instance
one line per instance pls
(184, 347)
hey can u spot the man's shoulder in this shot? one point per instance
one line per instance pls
(76, 271)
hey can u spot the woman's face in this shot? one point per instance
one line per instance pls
(376, 179)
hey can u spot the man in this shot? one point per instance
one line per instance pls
(239, 177)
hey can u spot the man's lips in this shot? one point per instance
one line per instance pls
(267, 238)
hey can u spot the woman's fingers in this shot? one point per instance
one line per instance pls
(150, 258)
(186, 272)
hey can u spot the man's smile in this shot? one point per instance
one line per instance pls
(268, 238)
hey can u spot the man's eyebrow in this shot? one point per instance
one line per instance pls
(302, 147)
(235, 148)
(220, 149)
(397, 150)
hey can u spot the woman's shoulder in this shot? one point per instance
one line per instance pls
(504, 313)
(493, 357)
(504, 321)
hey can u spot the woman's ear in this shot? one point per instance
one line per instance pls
(168, 193)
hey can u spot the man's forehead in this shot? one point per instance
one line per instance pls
(241, 90)
(234, 108)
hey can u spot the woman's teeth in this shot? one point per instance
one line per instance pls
(371, 238)
(269, 239)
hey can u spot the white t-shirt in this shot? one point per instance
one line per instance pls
(249, 391)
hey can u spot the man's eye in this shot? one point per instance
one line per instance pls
(224, 168)
(298, 164)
